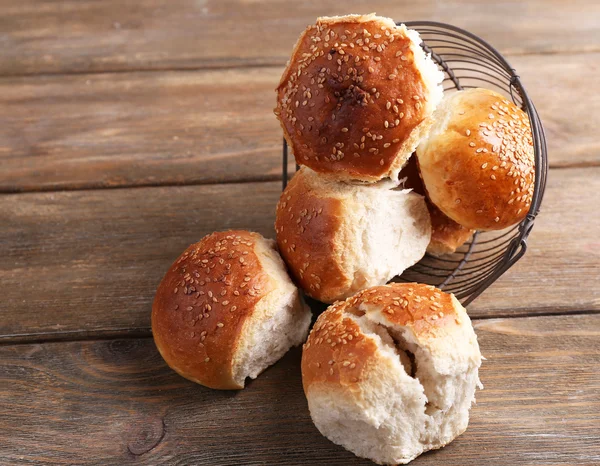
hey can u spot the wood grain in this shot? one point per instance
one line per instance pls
(115, 402)
(56, 37)
(87, 263)
(138, 129)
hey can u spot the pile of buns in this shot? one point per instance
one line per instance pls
(391, 168)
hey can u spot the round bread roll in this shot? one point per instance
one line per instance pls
(477, 162)
(446, 235)
(357, 97)
(391, 372)
(227, 310)
(339, 238)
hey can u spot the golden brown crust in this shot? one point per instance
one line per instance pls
(338, 352)
(309, 254)
(479, 171)
(202, 303)
(446, 235)
(351, 98)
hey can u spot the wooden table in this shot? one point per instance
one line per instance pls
(130, 129)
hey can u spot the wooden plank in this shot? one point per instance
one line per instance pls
(138, 129)
(116, 402)
(71, 132)
(87, 263)
(57, 37)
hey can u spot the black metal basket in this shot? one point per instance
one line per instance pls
(469, 62)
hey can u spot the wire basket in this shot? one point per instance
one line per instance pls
(469, 62)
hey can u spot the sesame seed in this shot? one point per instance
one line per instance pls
(207, 359)
(344, 130)
(220, 324)
(468, 132)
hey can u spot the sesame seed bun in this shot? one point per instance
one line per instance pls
(226, 310)
(357, 96)
(391, 372)
(446, 235)
(477, 163)
(338, 238)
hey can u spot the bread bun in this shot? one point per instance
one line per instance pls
(356, 96)
(226, 310)
(391, 372)
(338, 238)
(477, 162)
(446, 235)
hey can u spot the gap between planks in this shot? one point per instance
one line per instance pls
(142, 333)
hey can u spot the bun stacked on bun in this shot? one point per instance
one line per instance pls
(354, 101)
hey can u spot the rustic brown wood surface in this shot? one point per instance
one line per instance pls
(116, 402)
(147, 95)
(88, 262)
(53, 37)
(106, 130)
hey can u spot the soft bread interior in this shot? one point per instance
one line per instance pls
(404, 404)
(441, 117)
(383, 230)
(280, 320)
(431, 74)
(387, 231)
(432, 79)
